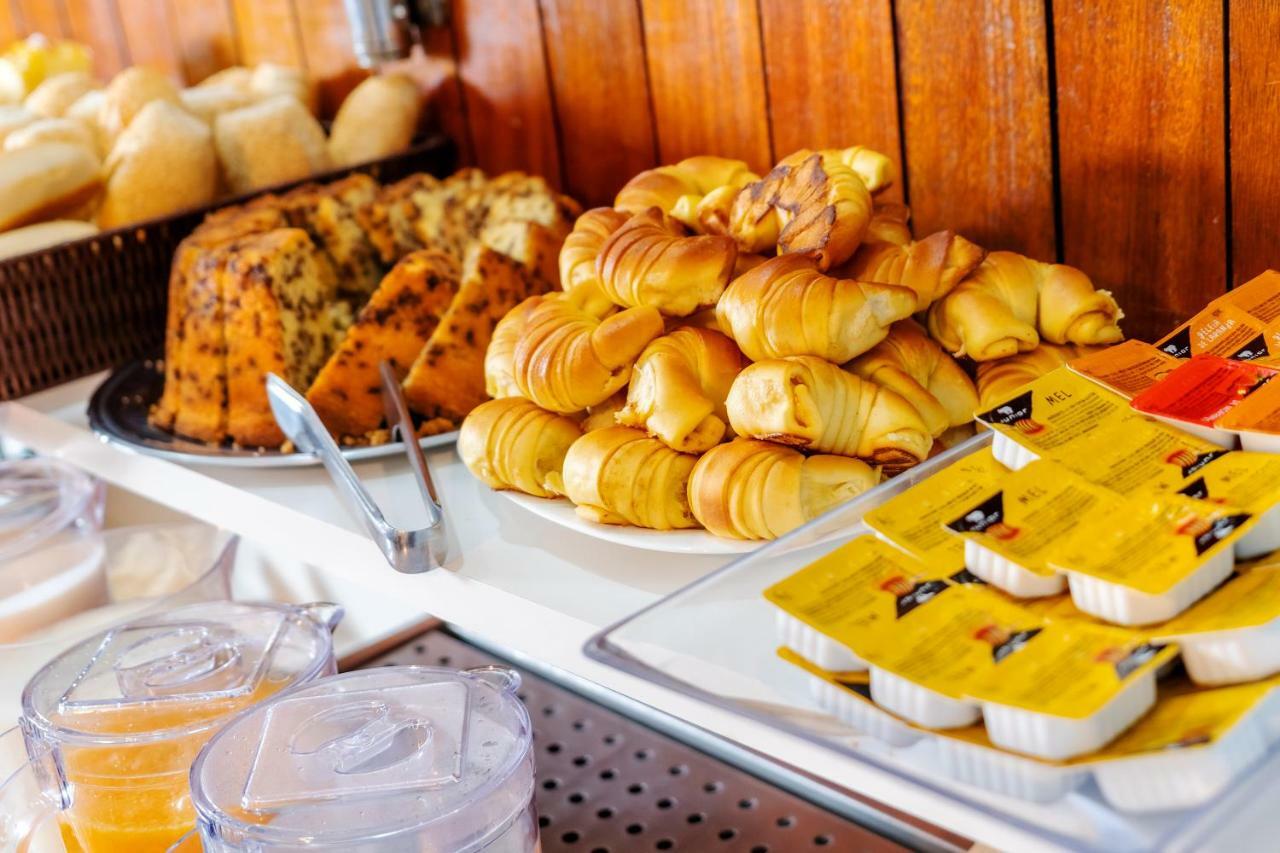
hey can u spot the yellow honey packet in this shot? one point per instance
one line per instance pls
(862, 588)
(1141, 456)
(913, 520)
(1151, 544)
(1069, 671)
(955, 641)
(1249, 481)
(1030, 512)
(1062, 608)
(1247, 599)
(1127, 368)
(1053, 414)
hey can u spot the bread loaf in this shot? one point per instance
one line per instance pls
(618, 475)
(270, 142)
(512, 444)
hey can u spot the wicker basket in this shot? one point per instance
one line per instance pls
(95, 303)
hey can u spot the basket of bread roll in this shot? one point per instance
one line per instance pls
(741, 353)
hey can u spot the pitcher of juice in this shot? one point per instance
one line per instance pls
(112, 725)
(386, 760)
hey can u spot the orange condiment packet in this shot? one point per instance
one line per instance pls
(1128, 368)
(1203, 390)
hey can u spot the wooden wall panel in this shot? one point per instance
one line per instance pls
(601, 96)
(9, 25)
(832, 79)
(326, 42)
(95, 23)
(442, 89)
(267, 31)
(504, 78)
(1255, 138)
(205, 35)
(150, 36)
(975, 104)
(706, 74)
(1140, 121)
(41, 16)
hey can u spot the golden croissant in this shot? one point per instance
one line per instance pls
(567, 359)
(750, 489)
(499, 358)
(807, 402)
(512, 444)
(619, 475)
(578, 256)
(810, 202)
(998, 380)
(651, 261)
(876, 170)
(697, 191)
(604, 414)
(678, 388)
(1011, 301)
(888, 225)
(931, 267)
(785, 306)
(912, 363)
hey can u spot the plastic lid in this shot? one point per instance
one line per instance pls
(39, 498)
(178, 672)
(385, 754)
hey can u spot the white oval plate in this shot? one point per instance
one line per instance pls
(560, 511)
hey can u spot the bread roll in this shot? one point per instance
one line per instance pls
(1010, 301)
(268, 143)
(13, 118)
(32, 238)
(163, 162)
(889, 224)
(512, 444)
(56, 94)
(233, 76)
(568, 360)
(649, 261)
(130, 91)
(499, 358)
(678, 389)
(618, 475)
(578, 275)
(912, 363)
(66, 130)
(209, 102)
(786, 306)
(749, 489)
(806, 402)
(46, 181)
(681, 191)
(269, 80)
(378, 118)
(931, 267)
(999, 379)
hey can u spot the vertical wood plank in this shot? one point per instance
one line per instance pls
(975, 115)
(442, 91)
(267, 31)
(205, 37)
(97, 24)
(707, 79)
(1142, 155)
(326, 41)
(503, 70)
(595, 52)
(831, 76)
(151, 39)
(9, 29)
(41, 16)
(1255, 145)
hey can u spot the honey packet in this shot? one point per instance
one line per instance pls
(1141, 456)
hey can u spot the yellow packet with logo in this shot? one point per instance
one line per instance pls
(859, 590)
(1141, 456)
(1247, 599)
(1012, 530)
(1051, 417)
(913, 520)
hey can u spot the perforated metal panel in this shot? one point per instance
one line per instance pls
(609, 785)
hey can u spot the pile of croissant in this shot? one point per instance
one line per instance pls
(739, 353)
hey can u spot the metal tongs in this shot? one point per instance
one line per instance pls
(408, 551)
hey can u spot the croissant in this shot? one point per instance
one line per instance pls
(1010, 301)
(876, 170)
(998, 380)
(678, 388)
(750, 489)
(618, 475)
(512, 444)
(604, 414)
(810, 202)
(650, 261)
(912, 363)
(931, 267)
(499, 358)
(567, 359)
(681, 190)
(786, 306)
(578, 256)
(888, 225)
(811, 403)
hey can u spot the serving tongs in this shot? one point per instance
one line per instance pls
(408, 551)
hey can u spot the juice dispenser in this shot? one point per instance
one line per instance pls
(391, 759)
(113, 724)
